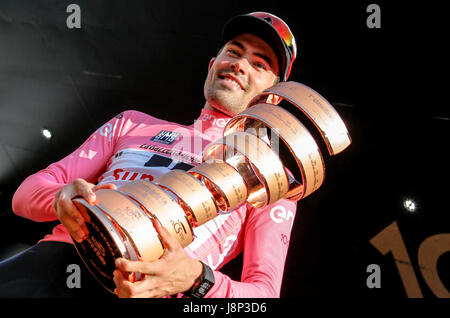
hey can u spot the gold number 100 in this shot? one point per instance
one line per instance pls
(390, 240)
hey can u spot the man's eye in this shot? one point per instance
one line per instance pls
(260, 65)
(233, 52)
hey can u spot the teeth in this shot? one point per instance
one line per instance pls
(233, 81)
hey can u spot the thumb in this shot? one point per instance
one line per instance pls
(105, 186)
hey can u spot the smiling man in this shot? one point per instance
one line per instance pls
(245, 66)
(257, 51)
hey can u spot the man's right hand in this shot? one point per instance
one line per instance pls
(74, 217)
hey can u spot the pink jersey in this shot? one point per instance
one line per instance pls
(133, 146)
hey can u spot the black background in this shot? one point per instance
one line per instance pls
(388, 84)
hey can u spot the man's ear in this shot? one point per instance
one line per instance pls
(211, 63)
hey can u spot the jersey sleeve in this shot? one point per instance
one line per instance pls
(34, 197)
(266, 243)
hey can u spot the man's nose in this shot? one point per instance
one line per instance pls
(238, 66)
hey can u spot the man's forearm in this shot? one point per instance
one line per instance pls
(34, 198)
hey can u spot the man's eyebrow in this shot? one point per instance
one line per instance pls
(238, 44)
(242, 47)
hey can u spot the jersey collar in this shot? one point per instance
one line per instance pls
(211, 123)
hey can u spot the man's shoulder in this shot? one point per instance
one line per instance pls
(139, 117)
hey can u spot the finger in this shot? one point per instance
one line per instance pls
(68, 212)
(105, 186)
(84, 189)
(124, 287)
(56, 199)
(85, 230)
(147, 268)
(73, 227)
(125, 265)
(169, 242)
(83, 210)
(127, 289)
(141, 288)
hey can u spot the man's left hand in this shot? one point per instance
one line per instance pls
(175, 272)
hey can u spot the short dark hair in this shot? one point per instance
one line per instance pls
(277, 78)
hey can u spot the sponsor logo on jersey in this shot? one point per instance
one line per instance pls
(173, 153)
(229, 243)
(124, 175)
(278, 214)
(106, 131)
(166, 137)
(219, 122)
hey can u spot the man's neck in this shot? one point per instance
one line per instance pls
(208, 106)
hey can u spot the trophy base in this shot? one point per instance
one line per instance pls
(104, 244)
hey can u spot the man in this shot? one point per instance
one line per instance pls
(257, 51)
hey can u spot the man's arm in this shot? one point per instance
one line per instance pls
(35, 196)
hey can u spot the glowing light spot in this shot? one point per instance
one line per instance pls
(46, 133)
(409, 205)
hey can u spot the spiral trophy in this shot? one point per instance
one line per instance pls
(243, 166)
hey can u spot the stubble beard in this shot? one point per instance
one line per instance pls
(225, 100)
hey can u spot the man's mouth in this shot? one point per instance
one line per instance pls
(232, 80)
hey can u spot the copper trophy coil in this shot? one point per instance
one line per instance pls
(162, 207)
(256, 191)
(136, 224)
(271, 183)
(105, 243)
(191, 194)
(294, 135)
(224, 182)
(316, 108)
